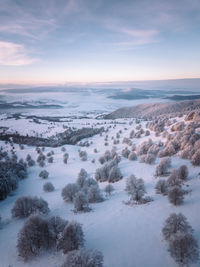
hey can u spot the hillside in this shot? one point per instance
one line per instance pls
(155, 110)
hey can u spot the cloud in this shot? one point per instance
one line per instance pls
(12, 54)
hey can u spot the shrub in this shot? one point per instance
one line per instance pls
(25, 206)
(94, 194)
(48, 187)
(173, 179)
(175, 223)
(196, 158)
(114, 174)
(132, 156)
(80, 202)
(56, 225)
(31, 163)
(82, 179)
(44, 174)
(161, 187)
(71, 238)
(50, 160)
(34, 237)
(183, 172)
(184, 249)
(69, 192)
(135, 188)
(175, 195)
(163, 166)
(83, 258)
(125, 152)
(109, 189)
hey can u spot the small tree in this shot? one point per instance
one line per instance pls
(81, 202)
(82, 178)
(114, 174)
(176, 195)
(163, 166)
(85, 258)
(176, 223)
(161, 187)
(132, 156)
(183, 172)
(184, 249)
(109, 189)
(34, 237)
(71, 238)
(173, 179)
(44, 174)
(94, 194)
(69, 192)
(25, 206)
(48, 187)
(135, 188)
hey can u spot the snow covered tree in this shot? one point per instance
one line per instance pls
(94, 194)
(175, 223)
(161, 187)
(135, 188)
(34, 237)
(48, 187)
(184, 249)
(80, 202)
(176, 195)
(109, 189)
(173, 179)
(56, 225)
(69, 192)
(83, 258)
(71, 238)
(82, 179)
(163, 166)
(114, 174)
(25, 206)
(125, 152)
(196, 158)
(31, 163)
(183, 172)
(132, 156)
(50, 160)
(44, 174)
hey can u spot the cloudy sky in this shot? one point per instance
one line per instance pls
(58, 41)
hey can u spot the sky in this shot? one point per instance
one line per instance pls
(64, 41)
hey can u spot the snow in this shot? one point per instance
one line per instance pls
(126, 235)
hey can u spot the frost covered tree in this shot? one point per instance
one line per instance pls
(163, 166)
(94, 194)
(71, 238)
(82, 179)
(44, 174)
(161, 187)
(56, 226)
(69, 192)
(34, 237)
(83, 258)
(173, 179)
(196, 158)
(80, 202)
(25, 206)
(184, 249)
(108, 189)
(176, 195)
(132, 156)
(175, 223)
(48, 187)
(183, 172)
(50, 160)
(114, 174)
(31, 163)
(125, 152)
(135, 188)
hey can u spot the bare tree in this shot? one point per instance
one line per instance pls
(135, 188)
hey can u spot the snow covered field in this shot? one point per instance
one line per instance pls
(127, 235)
